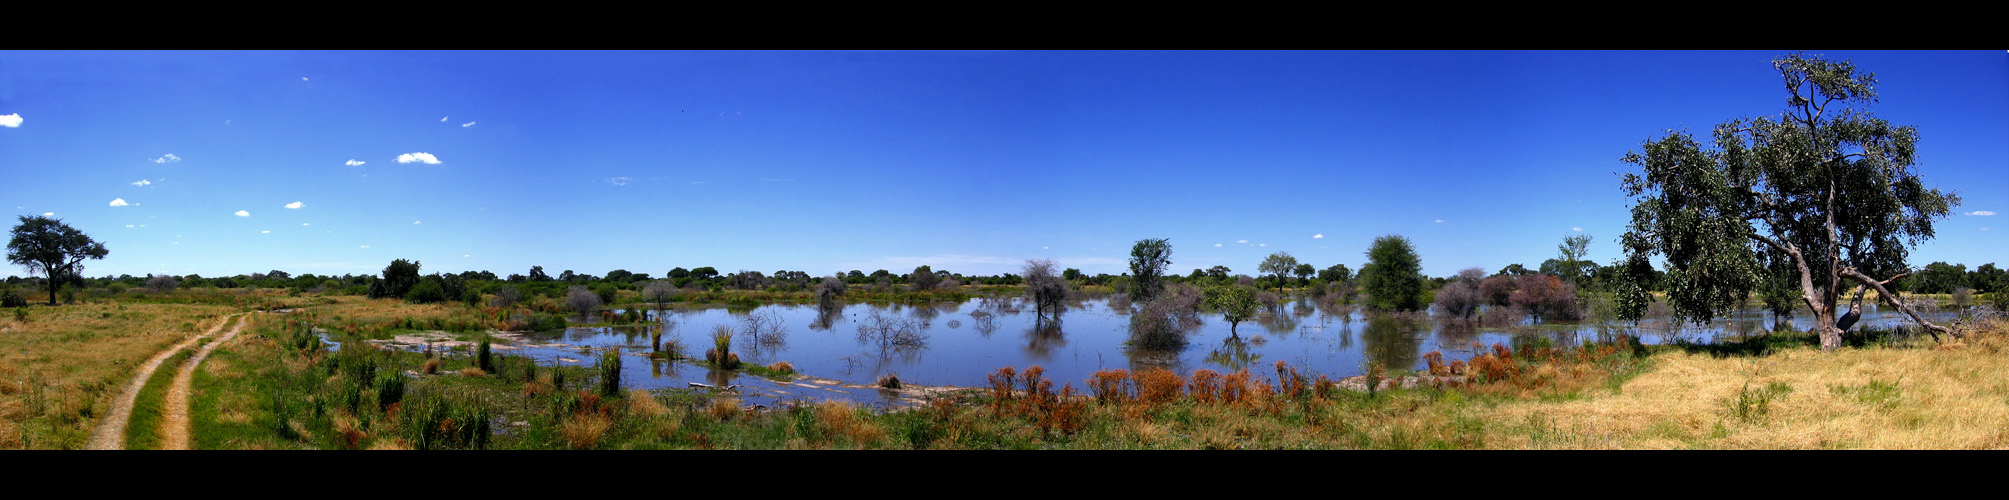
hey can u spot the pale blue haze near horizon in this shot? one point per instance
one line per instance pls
(969, 162)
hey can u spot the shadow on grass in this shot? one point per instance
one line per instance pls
(1764, 345)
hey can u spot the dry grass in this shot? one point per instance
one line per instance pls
(642, 403)
(584, 430)
(843, 420)
(60, 369)
(1950, 397)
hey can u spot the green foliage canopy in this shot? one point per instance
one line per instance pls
(1831, 188)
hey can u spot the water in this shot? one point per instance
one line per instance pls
(959, 348)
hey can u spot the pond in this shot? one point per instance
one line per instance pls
(960, 344)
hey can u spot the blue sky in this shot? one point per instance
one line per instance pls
(233, 163)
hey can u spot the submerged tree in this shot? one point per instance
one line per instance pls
(1835, 191)
(1393, 276)
(1044, 288)
(1148, 260)
(1235, 303)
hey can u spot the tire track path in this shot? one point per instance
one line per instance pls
(111, 432)
(175, 423)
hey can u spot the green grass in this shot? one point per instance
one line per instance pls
(143, 427)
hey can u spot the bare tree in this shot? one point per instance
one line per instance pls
(1043, 287)
(161, 283)
(582, 300)
(506, 296)
(659, 291)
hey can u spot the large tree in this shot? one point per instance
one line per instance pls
(1279, 264)
(1148, 260)
(1393, 276)
(1832, 189)
(48, 247)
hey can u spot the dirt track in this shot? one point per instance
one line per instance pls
(174, 421)
(111, 432)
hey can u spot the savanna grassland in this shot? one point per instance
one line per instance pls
(277, 386)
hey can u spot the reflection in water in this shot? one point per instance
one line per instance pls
(1457, 335)
(1234, 354)
(1278, 322)
(1042, 339)
(1392, 340)
(1302, 307)
(721, 378)
(825, 318)
(987, 323)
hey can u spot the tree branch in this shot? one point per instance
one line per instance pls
(1890, 298)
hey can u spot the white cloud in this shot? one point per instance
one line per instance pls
(1318, 236)
(1044, 248)
(295, 205)
(303, 78)
(1984, 229)
(169, 158)
(1982, 212)
(1242, 241)
(241, 213)
(415, 222)
(129, 226)
(48, 214)
(303, 224)
(1578, 229)
(426, 158)
(142, 183)
(1440, 221)
(1262, 244)
(443, 118)
(352, 162)
(118, 202)
(463, 255)
(268, 231)
(366, 246)
(466, 125)
(10, 121)
(1217, 245)
(619, 181)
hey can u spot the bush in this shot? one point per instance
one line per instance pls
(10, 299)
(582, 300)
(1461, 298)
(161, 283)
(426, 292)
(1546, 297)
(610, 373)
(1158, 325)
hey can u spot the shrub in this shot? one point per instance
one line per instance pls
(161, 283)
(721, 352)
(1462, 297)
(1159, 385)
(506, 296)
(582, 300)
(10, 299)
(610, 373)
(1157, 325)
(1497, 290)
(433, 420)
(1546, 297)
(426, 292)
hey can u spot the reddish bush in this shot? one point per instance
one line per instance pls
(1112, 386)
(1159, 385)
(1546, 298)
